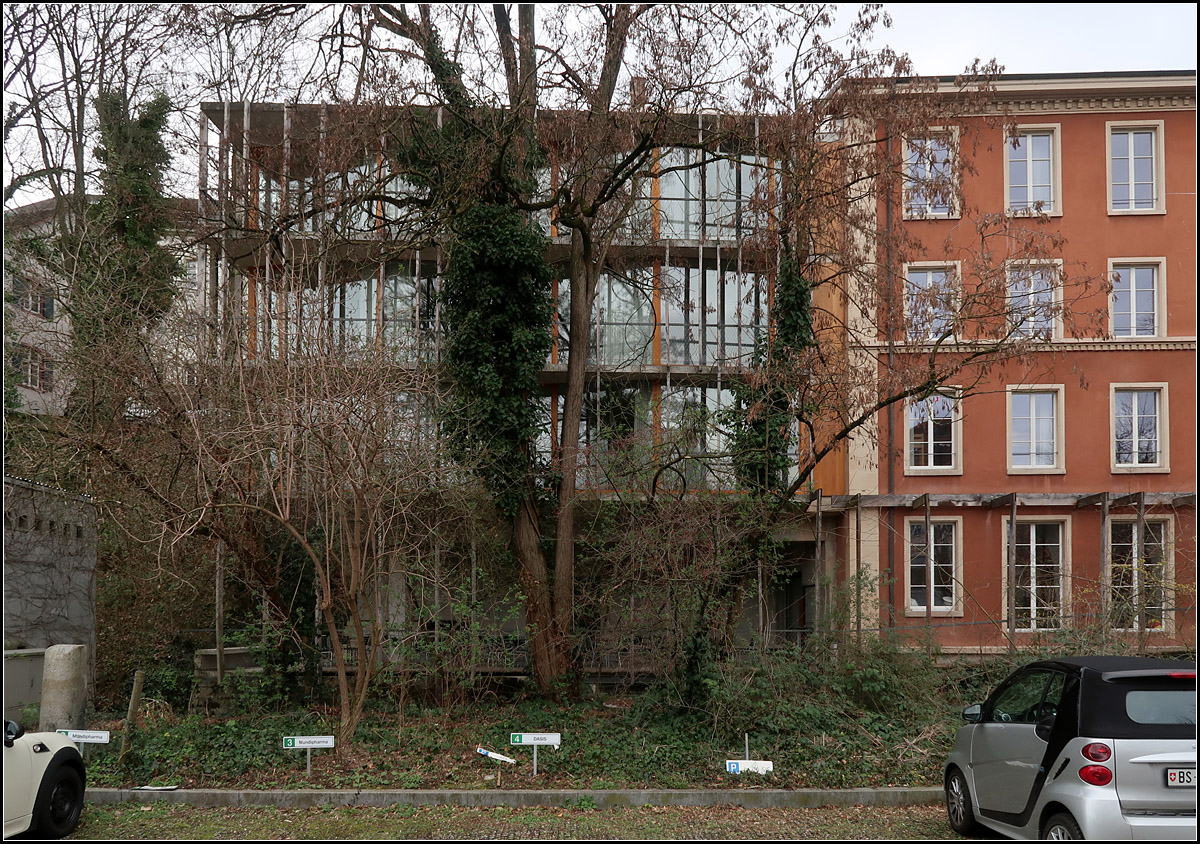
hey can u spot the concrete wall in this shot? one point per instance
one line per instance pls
(49, 569)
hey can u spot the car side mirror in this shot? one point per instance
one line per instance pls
(12, 732)
(1043, 728)
(973, 714)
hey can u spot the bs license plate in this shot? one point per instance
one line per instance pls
(1181, 777)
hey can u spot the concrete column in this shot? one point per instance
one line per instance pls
(64, 688)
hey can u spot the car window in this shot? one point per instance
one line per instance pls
(1019, 702)
(1161, 706)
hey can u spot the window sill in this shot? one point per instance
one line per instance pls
(1136, 212)
(1141, 470)
(920, 471)
(936, 613)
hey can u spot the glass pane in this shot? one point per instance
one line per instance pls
(1041, 146)
(1120, 144)
(1143, 144)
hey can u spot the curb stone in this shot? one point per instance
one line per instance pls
(800, 798)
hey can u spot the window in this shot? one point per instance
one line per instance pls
(1035, 430)
(1136, 298)
(1030, 697)
(33, 296)
(36, 370)
(1138, 430)
(1138, 575)
(1032, 168)
(929, 177)
(1135, 172)
(933, 433)
(1031, 294)
(1039, 575)
(943, 546)
(929, 302)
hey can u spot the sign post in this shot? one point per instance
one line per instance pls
(499, 757)
(307, 743)
(535, 739)
(86, 737)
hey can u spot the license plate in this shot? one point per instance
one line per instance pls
(1181, 777)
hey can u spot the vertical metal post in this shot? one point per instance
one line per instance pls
(1105, 562)
(858, 567)
(535, 747)
(1139, 570)
(928, 575)
(220, 611)
(1012, 576)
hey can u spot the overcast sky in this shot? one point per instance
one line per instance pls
(942, 39)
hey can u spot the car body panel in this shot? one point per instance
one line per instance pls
(1019, 779)
(28, 758)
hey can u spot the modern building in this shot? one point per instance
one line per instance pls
(1054, 492)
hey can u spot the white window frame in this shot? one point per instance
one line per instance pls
(952, 393)
(1168, 563)
(1064, 568)
(1163, 465)
(1159, 265)
(1054, 267)
(913, 181)
(956, 608)
(1059, 465)
(1054, 130)
(953, 288)
(1159, 176)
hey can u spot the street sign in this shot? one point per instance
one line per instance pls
(302, 742)
(86, 736)
(741, 766)
(535, 738)
(499, 757)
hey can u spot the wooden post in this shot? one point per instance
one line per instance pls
(135, 704)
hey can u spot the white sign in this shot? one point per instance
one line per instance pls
(301, 742)
(497, 756)
(86, 736)
(741, 766)
(535, 738)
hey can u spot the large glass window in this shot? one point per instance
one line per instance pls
(712, 314)
(680, 195)
(942, 546)
(690, 427)
(1137, 575)
(1039, 575)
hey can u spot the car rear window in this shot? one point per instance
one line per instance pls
(1145, 707)
(1161, 706)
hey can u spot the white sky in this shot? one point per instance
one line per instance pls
(942, 39)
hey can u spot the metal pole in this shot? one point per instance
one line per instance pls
(1012, 576)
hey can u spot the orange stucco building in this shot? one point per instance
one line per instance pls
(1059, 490)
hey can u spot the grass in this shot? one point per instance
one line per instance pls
(167, 822)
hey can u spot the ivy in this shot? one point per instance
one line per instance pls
(498, 309)
(759, 418)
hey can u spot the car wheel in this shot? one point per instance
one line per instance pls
(958, 804)
(62, 802)
(1061, 827)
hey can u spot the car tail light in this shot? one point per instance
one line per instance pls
(1182, 675)
(1097, 752)
(1095, 775)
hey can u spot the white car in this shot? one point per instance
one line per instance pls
(43, 783)
(1080, 747)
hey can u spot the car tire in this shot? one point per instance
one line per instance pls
(1061, 827)
(60, 802)
(959, 809)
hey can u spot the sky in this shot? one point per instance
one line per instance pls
(943, 38)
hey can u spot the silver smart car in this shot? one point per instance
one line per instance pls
(1080, 747)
